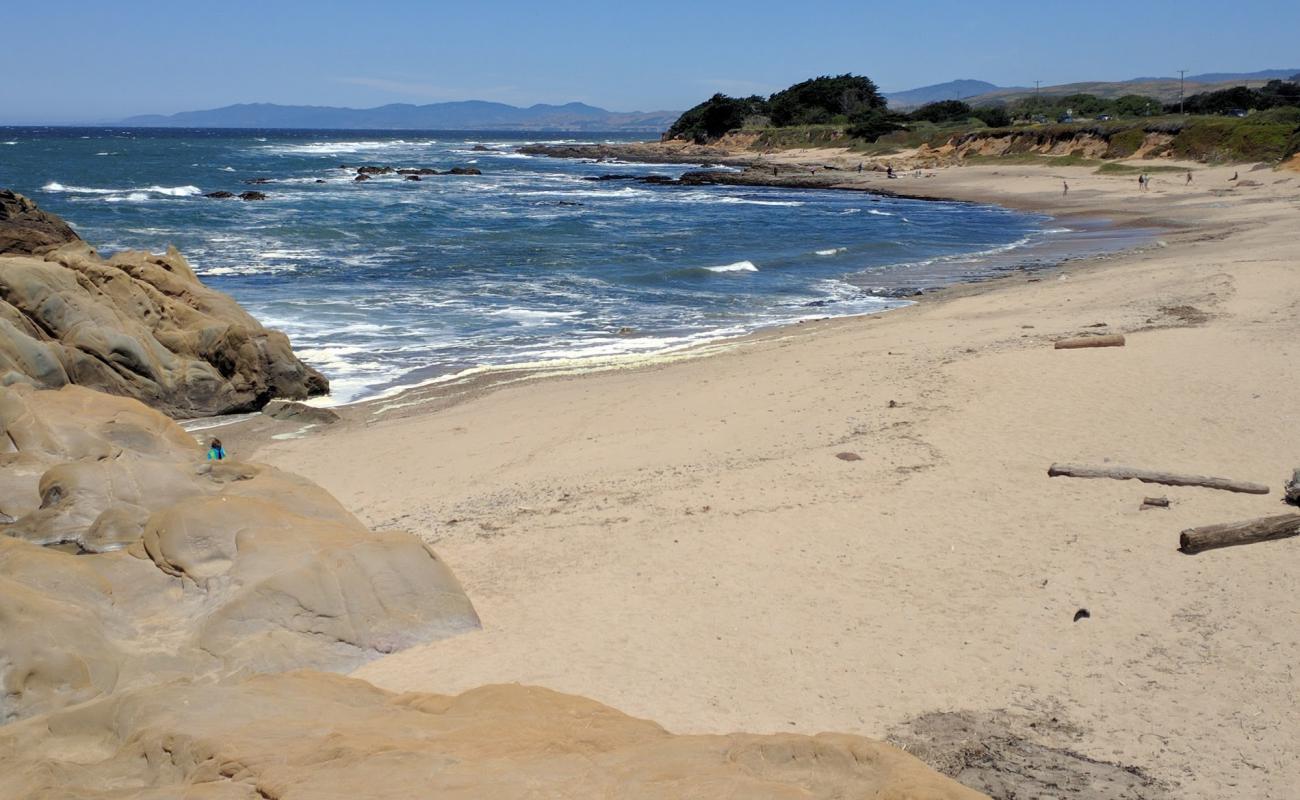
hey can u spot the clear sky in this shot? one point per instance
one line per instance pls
(87, 61)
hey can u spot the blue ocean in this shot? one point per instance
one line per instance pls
(391, 282)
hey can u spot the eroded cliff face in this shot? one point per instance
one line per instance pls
(136, 324)
(126, 559)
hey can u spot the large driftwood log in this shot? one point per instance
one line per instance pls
(1109, 340)
(1151, 476)
(1196, 540)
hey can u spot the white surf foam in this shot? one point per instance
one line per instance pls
(125, 193)
(739, 266)
(833, 251)
(339, 148)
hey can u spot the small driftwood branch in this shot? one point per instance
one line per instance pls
(1151, 476)
(1155, 502)
(1109, 340)
(1196, 540)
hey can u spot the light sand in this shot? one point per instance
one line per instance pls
(680, 541)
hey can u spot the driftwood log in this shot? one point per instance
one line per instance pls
(1151, 476)
(1155, 502)
(1196, 540)
(1109, 340)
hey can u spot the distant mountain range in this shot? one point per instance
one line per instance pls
(1165, 89)
(464, 115)
(952, 90)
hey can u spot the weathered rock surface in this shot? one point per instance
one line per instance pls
(136, 324)
(312, 735)
(220, 194)
(252, 195)
(27, 230)
(300, 412)
(186, 567)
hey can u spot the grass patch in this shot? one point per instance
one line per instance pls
(1116, 168)
(1071, 160)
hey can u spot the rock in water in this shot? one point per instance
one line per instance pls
(27, 230)
(312, 735)
(252, 195)
(136, 324)
(188, 567)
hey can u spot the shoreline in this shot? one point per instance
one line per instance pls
(755, 540)
(443, 391)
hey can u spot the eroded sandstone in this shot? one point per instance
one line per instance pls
(132, 560)
(136, 324)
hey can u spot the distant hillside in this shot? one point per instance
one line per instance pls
(1164, 89)
(952, 90)
(465, 115)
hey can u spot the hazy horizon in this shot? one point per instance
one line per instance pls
(155, 58)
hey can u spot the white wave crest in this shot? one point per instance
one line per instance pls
(739, 266)
(339, 148)
(833, 251)
(169, 191)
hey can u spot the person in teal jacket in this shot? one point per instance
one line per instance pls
(215, 451)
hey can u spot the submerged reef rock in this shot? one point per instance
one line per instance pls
(131, 561)
(136, 324)
(313, 735)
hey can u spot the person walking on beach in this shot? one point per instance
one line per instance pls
(1065, 188)
(1142, 179)
(1189, 178)
(215, 451)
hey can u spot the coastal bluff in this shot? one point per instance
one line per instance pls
(135, 324)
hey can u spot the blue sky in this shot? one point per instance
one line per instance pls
(85, 61)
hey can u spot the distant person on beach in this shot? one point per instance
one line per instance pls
(1234, 177)
(1065, 188)
(215, 451)
(1189, 179)
(859, 166)
(773, 172)
(889, 172)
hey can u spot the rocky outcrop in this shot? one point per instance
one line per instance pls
(312, 735)
(250, 195)
(136, 324)
(131, 560)
(27, 230)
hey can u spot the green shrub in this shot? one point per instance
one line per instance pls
(942, 111)
(992, 116)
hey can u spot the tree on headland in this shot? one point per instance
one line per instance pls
(850, 100)
(825, 99)
(715, 117)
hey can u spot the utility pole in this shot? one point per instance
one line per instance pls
(1182, 73)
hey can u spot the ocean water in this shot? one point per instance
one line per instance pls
(391, 282)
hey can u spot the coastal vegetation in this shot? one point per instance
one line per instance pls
(1236, 124)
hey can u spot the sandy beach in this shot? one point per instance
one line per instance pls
(844, 525)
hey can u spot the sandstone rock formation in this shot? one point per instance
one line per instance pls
(185, 567)
(311, 735)
(136, 324)
(27, 230)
